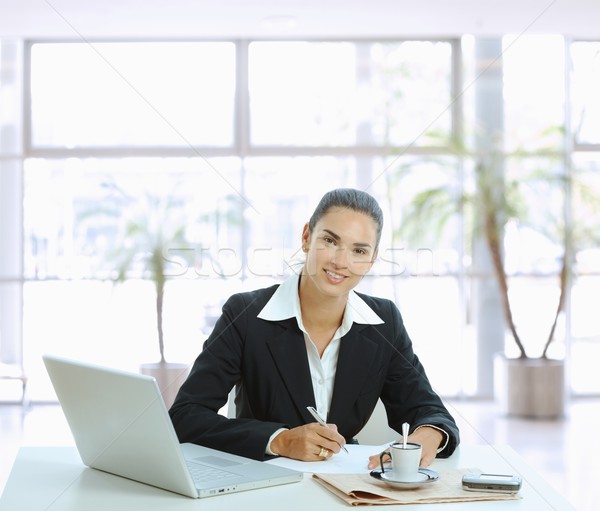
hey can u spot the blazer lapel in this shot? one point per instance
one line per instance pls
(354, 362)
(289, 353)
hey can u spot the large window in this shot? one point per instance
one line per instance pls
(585, 80)
(132, 94)
(349, 94)
(220, 150)
(586, 284)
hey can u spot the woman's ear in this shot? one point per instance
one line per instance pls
(305, 238)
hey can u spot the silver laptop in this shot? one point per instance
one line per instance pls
(121, 425)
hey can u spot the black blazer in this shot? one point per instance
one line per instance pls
(268, 364)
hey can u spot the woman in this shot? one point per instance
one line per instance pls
(313, 341)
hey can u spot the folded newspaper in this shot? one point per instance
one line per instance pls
(357, 489)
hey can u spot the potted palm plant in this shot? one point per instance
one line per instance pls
(526, 385)
(149, 242)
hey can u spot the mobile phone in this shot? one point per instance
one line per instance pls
(498, 483)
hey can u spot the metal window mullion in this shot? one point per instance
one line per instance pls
(242, 100)
(457, 133)
(26, 128)
(568, 147)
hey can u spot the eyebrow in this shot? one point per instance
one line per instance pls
(336, 237)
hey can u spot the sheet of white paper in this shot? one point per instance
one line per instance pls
(355, 462)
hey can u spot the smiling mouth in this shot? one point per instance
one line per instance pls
(336, 277)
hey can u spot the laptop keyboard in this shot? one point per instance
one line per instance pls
(203, 474)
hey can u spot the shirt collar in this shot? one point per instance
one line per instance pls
(285, 304)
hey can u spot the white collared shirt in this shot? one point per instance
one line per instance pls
(285, 304)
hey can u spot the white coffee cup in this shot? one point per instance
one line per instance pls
(405, 462)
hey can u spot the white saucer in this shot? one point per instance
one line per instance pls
(425, 476)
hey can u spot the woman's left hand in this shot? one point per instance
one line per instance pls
(430, 440)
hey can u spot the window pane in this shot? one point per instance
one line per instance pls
(585, 322)
(534, 92)
(83, 217)
(424, 198)
(328, 94)
(302, 93)
(534, 234)
(409, 97)
(585, 86)
(585, 347)
(586, 213)
(115, 325)
(439, 343)
(132, 94)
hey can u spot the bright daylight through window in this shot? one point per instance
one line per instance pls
(214, 151)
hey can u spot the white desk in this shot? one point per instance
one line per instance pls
(54, 479)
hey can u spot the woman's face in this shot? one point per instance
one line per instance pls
(341, 250)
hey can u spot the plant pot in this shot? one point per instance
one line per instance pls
(169, 376)
(532, 388)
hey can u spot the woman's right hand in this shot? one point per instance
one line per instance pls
(305, 443)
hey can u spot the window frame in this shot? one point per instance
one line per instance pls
(242, 147)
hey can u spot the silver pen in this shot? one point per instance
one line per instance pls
(320, 420)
